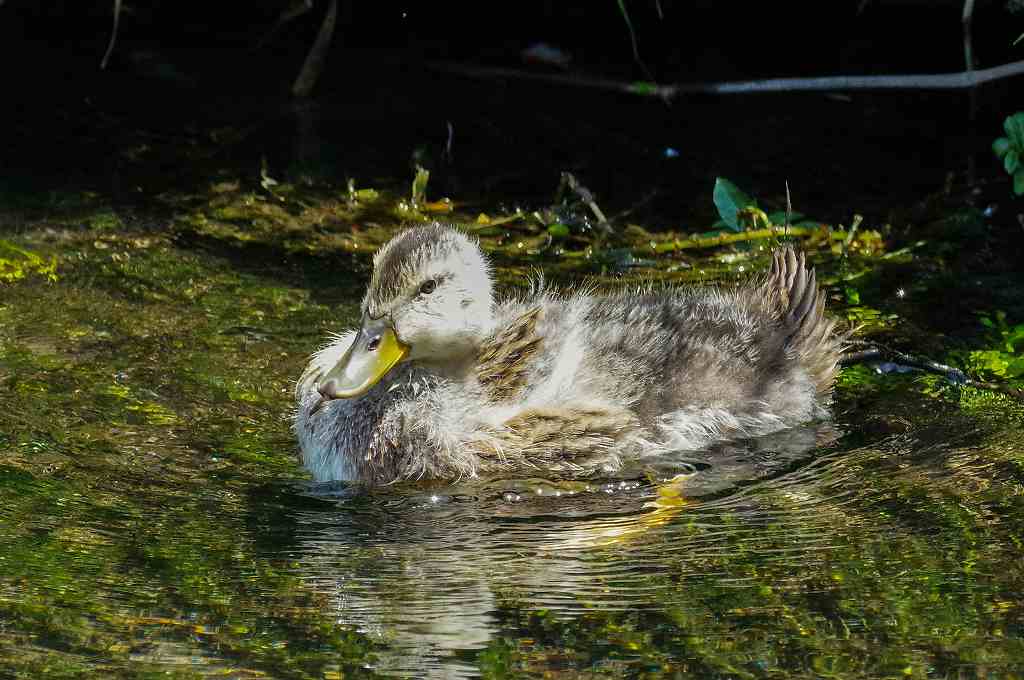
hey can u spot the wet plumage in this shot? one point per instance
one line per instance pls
(444, 381)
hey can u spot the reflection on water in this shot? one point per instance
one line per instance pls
(426, 571)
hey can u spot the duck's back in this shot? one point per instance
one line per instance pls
(692, 363)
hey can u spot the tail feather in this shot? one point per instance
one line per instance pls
(809, 333)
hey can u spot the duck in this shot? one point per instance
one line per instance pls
(445, 380)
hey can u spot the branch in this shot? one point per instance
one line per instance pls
(586, 196)
(485, 73)
(954, 375)
(113, 35)
(966, 19)
(752, 235)
(922, 81)
(314, 63)
(290, 12)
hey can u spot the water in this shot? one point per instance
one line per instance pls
(154, 519)
(812, 559)
(155, 522)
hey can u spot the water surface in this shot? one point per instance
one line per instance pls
(154, 519)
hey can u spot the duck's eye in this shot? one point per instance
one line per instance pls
(428, 287)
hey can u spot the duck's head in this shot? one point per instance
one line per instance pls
(429, 300)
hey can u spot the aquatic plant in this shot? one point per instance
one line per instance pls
(734, 206)
(1011, 150)
(1005, 357)
(740, 212)
(17, 263)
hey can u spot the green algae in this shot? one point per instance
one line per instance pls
(105, 472)
(16, 263)
(146, 462)
(932, 594)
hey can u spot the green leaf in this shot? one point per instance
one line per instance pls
(558, 230)
(1015, 369)
(1015, 335)
(1001, 146)
(419, 185)
(988, 361)
(1011, 161)
(729, 200)
(1014, 126)
(1018, 182)
(779, 217)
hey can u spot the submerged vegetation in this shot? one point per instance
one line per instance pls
(17, 263)
(155, 522)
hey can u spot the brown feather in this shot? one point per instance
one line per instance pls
(559, 438)
(504, 358)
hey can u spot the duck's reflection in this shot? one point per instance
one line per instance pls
(426, 571)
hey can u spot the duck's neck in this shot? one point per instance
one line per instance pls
(456, 369)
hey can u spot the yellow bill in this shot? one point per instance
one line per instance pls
(375, 351)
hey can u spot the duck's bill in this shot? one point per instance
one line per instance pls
(375, 351)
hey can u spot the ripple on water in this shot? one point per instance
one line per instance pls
(428, 571)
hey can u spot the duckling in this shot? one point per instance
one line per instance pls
(442, 380)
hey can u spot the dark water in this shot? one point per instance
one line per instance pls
(154, 521)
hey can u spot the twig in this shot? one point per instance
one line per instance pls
(648, 89)
(113, 35)
(287, 14)
(447, 155)
(789, 207)
(632, 38)
(924, 81)
(955, 376)
(647, 198)
(753, 235)
(972, 105)
(966, 19)
(857, 219)
(584, 194)
(314, 63)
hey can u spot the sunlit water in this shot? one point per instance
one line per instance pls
(432, 574)
(425, 571)
(153, 519)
